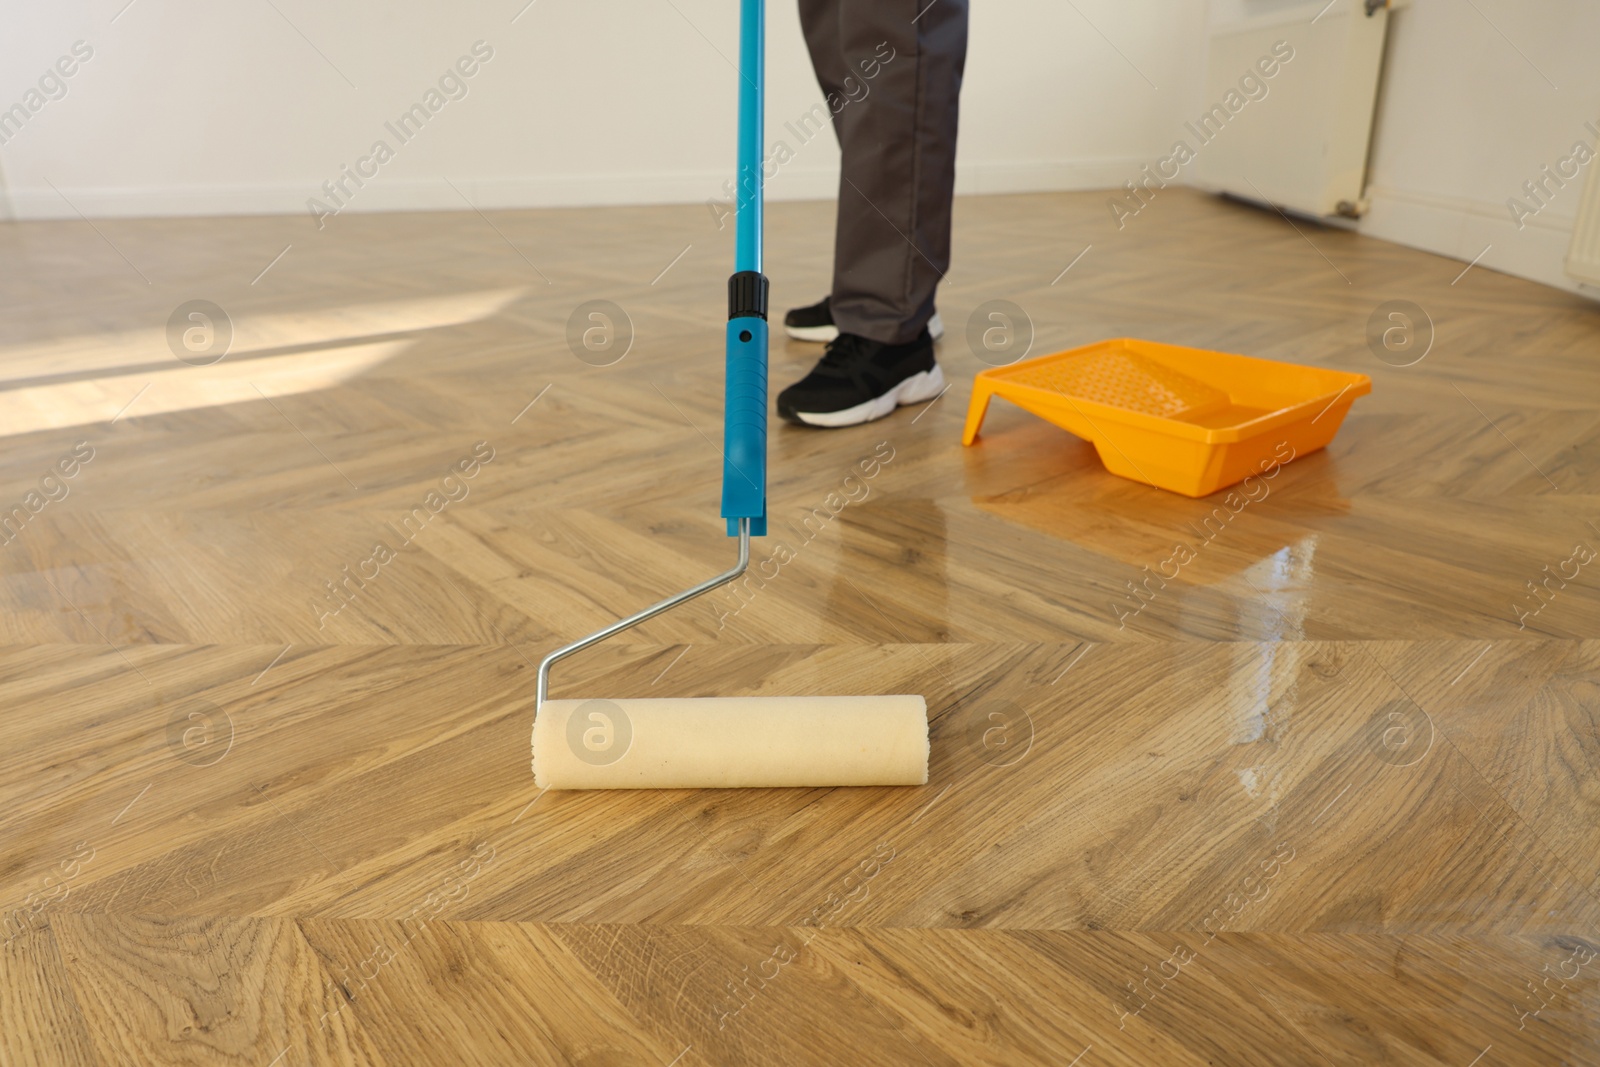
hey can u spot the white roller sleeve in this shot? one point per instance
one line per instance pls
(731, 742)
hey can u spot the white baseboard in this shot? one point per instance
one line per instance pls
(1057, 176)
(422, 194)
(1461, 229)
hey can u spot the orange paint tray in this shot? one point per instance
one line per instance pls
(1183, 419)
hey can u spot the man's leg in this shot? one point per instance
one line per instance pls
(819, 22)
(898, 75)
(890, 71)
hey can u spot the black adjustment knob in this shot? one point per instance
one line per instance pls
(747, 294)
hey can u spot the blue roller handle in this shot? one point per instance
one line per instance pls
(752, 91)
(744, 471)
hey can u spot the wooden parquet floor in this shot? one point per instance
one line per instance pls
(1329, 796)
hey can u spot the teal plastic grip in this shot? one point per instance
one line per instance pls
(744, 426)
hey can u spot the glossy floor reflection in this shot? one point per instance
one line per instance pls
(1324, 793)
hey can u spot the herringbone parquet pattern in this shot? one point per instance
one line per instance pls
(1329, 797)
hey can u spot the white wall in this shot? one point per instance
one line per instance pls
(195, 107)
(1467, 115)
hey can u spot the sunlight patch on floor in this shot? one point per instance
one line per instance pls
(323, 351)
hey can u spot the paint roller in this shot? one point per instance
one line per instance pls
(731, 742)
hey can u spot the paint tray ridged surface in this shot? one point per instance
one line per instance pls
(1183, 419)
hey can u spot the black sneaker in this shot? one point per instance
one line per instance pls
(858, 380)
(815, 323)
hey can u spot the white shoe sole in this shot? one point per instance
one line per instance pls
(824, 334)
(914, 390)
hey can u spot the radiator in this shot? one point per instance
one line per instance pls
(1302, 145)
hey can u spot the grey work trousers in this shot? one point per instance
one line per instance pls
(891, 73)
